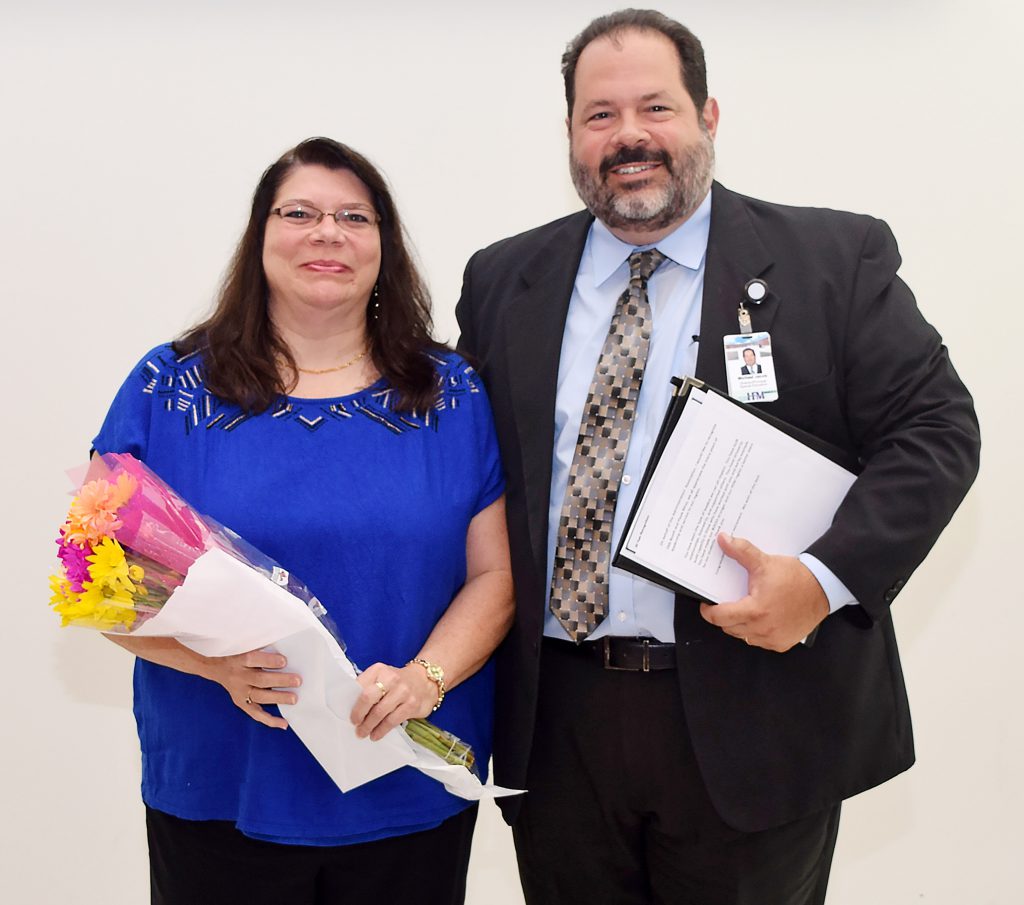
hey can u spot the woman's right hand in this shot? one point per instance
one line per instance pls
(250, 679)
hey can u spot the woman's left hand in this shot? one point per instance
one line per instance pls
(391, 695)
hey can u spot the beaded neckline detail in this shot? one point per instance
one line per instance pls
(177, 384)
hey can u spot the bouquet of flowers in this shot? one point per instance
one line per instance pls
(131, 548)
(128, 543)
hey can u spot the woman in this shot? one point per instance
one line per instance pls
(313, 414)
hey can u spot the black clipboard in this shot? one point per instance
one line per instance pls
(683, 386)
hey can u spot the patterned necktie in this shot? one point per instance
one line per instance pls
(579, 585)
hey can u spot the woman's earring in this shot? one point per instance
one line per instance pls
(375, 305)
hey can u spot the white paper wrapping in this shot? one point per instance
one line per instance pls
(224, 608)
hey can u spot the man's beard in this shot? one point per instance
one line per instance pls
(640, 208)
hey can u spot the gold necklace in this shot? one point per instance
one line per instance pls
(347, 364)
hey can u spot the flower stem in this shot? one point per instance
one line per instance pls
(445, 745)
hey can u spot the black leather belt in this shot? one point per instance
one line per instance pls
(629, 654)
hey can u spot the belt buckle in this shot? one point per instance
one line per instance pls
(645, 666)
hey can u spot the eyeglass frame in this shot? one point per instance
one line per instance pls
(373, 216)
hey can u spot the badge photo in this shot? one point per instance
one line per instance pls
(750, 368)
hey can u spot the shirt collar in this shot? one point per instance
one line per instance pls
(685, 245)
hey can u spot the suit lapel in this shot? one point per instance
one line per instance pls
(534, 324)
(735, 254)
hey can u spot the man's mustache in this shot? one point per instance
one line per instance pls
(635, 155)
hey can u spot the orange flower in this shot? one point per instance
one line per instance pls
(93, 514)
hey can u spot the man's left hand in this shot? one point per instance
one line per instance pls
(784, 601)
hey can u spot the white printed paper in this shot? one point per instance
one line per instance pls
(725, 469)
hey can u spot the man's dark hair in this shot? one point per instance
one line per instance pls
(691, 53)
(240, 347)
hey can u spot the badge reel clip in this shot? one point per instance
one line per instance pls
(750, 368)
(754, 292)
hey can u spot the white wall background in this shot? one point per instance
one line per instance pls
(132, 137)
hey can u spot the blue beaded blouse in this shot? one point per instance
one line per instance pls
(370, 508)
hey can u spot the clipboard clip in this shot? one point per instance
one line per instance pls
(682, 385)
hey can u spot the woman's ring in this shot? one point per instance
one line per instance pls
(248, 698)
(383, 690)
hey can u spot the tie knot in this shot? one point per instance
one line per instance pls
(643, 263)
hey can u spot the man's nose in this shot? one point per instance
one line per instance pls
(631, 132)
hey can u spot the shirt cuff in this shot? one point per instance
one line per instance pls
(837, 593)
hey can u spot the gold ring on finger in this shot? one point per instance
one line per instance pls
(383, 690)
(248, 699)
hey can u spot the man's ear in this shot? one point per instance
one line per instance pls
(710, 116)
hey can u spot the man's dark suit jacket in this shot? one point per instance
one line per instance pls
(777, 736)
(747, 370)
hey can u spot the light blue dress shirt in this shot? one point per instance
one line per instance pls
(637, 607)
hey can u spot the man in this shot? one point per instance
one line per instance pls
(676, 751)
(750, 365)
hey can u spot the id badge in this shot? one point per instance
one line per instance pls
(750, 368)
